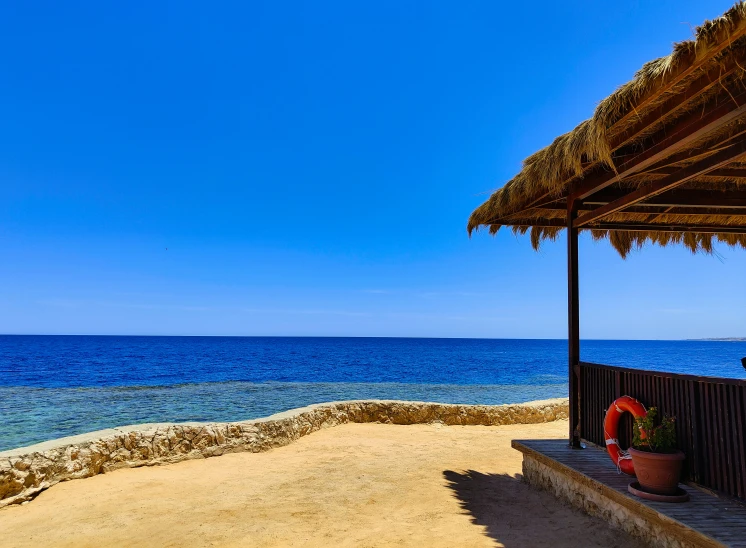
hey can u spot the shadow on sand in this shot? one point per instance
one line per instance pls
(514, 514)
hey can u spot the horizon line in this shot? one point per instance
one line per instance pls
(702, 339)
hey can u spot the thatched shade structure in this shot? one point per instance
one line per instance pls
(662, 159)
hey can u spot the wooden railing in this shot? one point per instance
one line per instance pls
(710, 418)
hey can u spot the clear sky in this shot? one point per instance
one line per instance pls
(282, 168)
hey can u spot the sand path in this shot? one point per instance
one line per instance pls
(353, 485)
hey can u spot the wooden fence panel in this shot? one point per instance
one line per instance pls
(709, 411)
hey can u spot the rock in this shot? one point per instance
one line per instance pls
(27, 471)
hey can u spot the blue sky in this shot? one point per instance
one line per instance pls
(307, 168)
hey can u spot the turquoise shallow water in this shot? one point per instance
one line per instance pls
(32, 415)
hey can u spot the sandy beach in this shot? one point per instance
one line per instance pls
(352, 485)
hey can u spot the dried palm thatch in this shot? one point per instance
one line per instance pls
(666, 94)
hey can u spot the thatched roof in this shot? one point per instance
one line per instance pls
(676, 112)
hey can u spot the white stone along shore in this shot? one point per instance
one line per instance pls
(27, 471)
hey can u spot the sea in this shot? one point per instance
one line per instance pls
(55, 386)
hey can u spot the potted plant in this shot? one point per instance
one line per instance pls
(654, 454)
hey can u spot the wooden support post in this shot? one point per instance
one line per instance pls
(573, 314)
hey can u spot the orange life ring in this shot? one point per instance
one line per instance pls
(611, 425)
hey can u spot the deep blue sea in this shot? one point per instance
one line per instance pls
(54, 386)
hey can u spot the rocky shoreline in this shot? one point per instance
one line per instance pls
(27, 471)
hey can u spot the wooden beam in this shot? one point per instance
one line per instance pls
(648, 190)
(694, 154)
(731, 172)
(683, 202)
(573, 325)
(730, 199)
(717, 199)
(712, 117)
(640, 227)
(730, 202)
(673, 209)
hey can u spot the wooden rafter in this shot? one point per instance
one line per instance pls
(731, 172)
(694, 154)
(656, 208)
(692, 198)
(648, 190)
(685, 202)
(701, 198)
(642, 227)
(716, 115)
(598, 197)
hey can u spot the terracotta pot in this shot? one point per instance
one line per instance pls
(658, 473)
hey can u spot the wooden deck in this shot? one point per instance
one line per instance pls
(705, 520)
